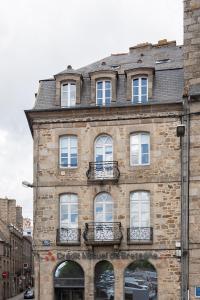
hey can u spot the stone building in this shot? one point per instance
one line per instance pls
(115, 197)
(15, 254)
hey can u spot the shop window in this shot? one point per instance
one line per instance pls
(104, 281)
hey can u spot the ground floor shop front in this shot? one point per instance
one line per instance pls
(114, 275)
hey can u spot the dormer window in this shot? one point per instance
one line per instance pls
(103, 92)
(140, 84)
(68, 94)
(140, 90)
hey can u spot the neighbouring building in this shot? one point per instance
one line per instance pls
(116, 174)
(15, 251)
(27, 227)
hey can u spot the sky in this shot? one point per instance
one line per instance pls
(39, 38)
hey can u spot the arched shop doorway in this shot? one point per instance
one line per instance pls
(69, 281)
(140, 281)
(104, 281)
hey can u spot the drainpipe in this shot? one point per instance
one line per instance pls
(185, 142)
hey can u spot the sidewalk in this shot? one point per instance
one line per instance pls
(18, 297)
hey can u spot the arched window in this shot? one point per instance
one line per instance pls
(68, 151)
(69, 281)
(103, 208)
(103, 92)
(104, 281)
(103, 214)
(68, 94)
(103, 148)
(140, 149)
(103, 157)
(140, 90)
(140, 281)
(140, 217)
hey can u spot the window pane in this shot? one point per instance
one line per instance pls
(144, 99)
(144, 138)
(144, 90)
(64, 142)
(145, 148)
(99, 85)
(135, 91)
(108, 218)
(144, 81)
(107, 93)
(73, 141)
(136, 82)
(99, 101)
(74, 218)
(145, 158)
(135, 99)
(107, 101)
(65, 87)
(99, 94)
(107, 84)
(73, 161)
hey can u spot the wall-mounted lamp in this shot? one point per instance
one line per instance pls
(180, 130)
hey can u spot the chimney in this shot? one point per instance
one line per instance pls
(19, 218)
(12, 211)
(192, 48)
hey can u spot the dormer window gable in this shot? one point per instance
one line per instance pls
(103, 87)
(68, 88)
(140, 85)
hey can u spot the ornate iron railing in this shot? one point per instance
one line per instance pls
(102, 233)
(105, 170)
(139, 235)
(69, 282)
(67, 236)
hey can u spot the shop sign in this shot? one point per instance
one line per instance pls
(89, 255)
(5, 275)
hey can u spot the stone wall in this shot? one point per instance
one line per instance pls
(161, 178)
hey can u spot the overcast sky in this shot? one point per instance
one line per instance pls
(39, 38)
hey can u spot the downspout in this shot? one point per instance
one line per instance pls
(185, 142)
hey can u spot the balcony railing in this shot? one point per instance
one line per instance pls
(140, 235)
(68, 236)
(103, 233)
(105, 170)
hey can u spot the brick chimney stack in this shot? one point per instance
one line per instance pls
(192, 48)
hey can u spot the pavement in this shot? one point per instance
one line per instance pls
(18, 297)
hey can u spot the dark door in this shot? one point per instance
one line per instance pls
(71, 294)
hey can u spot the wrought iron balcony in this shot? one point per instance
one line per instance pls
(68, 236)
(105, 170)
(140, 235)
(103, 233)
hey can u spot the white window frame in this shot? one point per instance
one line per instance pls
(68, 100)
(139, 88)
(103, 91)
(196, 292)
(140, 202)
(139, 134)
(106, 200)
(68, 151)
(69, 204)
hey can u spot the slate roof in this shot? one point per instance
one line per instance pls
(168, 79)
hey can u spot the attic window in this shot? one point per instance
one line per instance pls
(163, 61)
(115, 67)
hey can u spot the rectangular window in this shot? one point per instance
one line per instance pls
(140, 149)
(68, 152)
(103, 92)
(140, 90)
(140, 209)
(68, 94)
(69, 211)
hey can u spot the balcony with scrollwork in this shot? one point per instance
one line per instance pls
(102, 233)
(140, 235)
(101, 171)
(68, 236)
